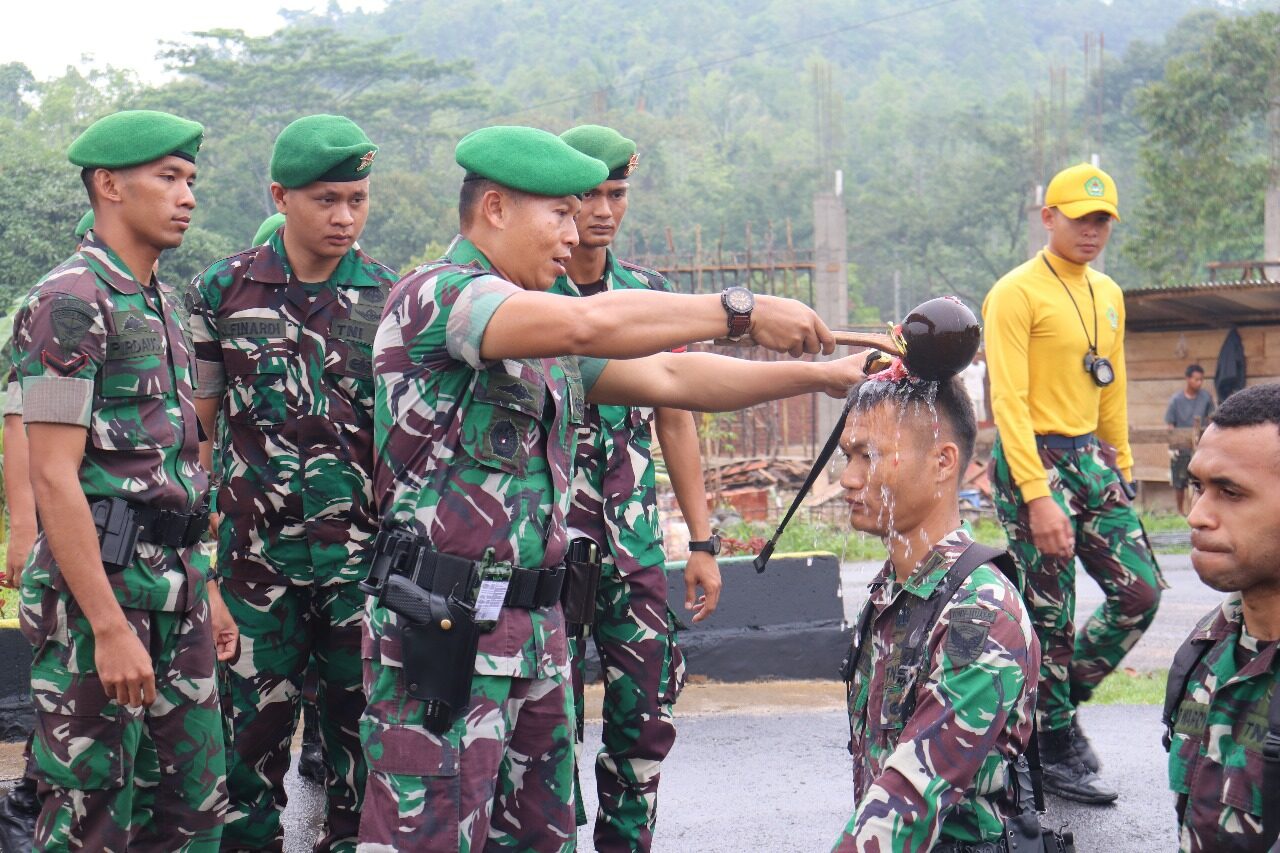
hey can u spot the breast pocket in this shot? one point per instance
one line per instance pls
(502, 421)
(131, 412)
(256, 394)
(349, 367)
(1241, 781)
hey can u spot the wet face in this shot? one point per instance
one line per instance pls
(889, 480)
(156, 200)
(1194, 382)
(325, 217)
(601, 215)
(1078, 240)
(532, 236)
(1235, 541)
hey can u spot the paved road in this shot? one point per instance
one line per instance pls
(776, 777)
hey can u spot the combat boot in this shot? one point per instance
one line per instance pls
(1082, 746)
(311, 763)
(1066, 775)
(18, 813)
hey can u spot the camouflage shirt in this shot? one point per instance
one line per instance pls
(474, 455)
(615, 499)
(293, 365)
(939, 772)
(1215, 759)
(96, 348)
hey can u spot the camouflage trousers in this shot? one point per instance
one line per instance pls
(1113, 549)
(487, 784)
(643, 668)
(282, 627)
(115, 778)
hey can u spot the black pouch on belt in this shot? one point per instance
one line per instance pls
(438, 635)
(581, 580)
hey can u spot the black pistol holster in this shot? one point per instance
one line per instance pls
(581, 580)
(432, 594)
(122, 525)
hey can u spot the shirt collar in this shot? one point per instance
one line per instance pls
(930, 571)
(1227, 621)
(270, 265)
(106, 265)
(464, 253)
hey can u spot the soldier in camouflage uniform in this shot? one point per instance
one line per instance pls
(1224, 686)
(283, 333)
(1058, 490)
(478, 407)
(128, 741)
(615, 505)
(936, 719)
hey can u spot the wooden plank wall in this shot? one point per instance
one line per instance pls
(1156, 362)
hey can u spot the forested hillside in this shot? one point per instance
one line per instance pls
(940, 114)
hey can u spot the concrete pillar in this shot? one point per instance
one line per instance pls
(830, 283)
(1037, 236)
(1271, 232)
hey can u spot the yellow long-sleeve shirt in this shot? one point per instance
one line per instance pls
(1035, 358)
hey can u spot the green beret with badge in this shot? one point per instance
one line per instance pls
(606, 145)
(321, 148)
(529, 160)
(84, 225)
(134, 137)
(267, 228)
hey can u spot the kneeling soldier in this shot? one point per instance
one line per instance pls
(481, 380)
(123, 620)
(1222, 706)
(942, 679)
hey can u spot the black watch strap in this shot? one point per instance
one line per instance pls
(711, 546)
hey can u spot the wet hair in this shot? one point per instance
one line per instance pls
(916, 397)
(1194, 368)
(1253, 406)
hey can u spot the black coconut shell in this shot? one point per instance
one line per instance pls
(942, 336)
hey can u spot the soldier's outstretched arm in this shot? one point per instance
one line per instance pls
(706, 382)
(976, 677)
(632, 323)
(122, 662)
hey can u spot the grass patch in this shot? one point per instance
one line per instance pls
(1128, 687)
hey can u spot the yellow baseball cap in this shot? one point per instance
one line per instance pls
(1081, 190)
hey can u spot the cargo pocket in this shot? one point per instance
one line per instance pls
(408, 764)
(673, 664)
(83, 740)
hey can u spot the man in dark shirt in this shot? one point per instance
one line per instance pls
(1189, 409)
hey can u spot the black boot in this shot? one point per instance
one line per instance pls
(18, 813)
(1084, 749)
(311, 763)
(1066, 775)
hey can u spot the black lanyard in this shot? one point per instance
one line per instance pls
(1093, 344)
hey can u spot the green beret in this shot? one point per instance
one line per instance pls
(529, 160)
(267, 228)
(83, 226)
(606, 145)
(321, 148)
(134, 137)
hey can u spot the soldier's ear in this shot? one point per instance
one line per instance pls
(948, 456)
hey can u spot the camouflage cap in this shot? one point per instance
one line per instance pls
(83, 226)
(606, 145)
(267, 228)
(321, 148)
(134, 137)
(529, 160)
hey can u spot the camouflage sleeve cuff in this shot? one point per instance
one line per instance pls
(13, 399)
(211, 379)
(590, 368)
(57, 400)
(470, 316)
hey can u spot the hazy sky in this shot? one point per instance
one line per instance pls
(49, 35)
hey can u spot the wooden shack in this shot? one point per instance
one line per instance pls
(1170, 327)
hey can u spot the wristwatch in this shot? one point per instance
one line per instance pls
(738, 303)
(711, 546)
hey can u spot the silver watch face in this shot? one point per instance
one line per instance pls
(739, 300)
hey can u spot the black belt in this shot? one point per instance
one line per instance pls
(165, 527)
(529, 589)
(972, 847)
(1066, 442)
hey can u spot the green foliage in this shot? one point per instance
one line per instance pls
(1214, 148)
(1126, 687)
